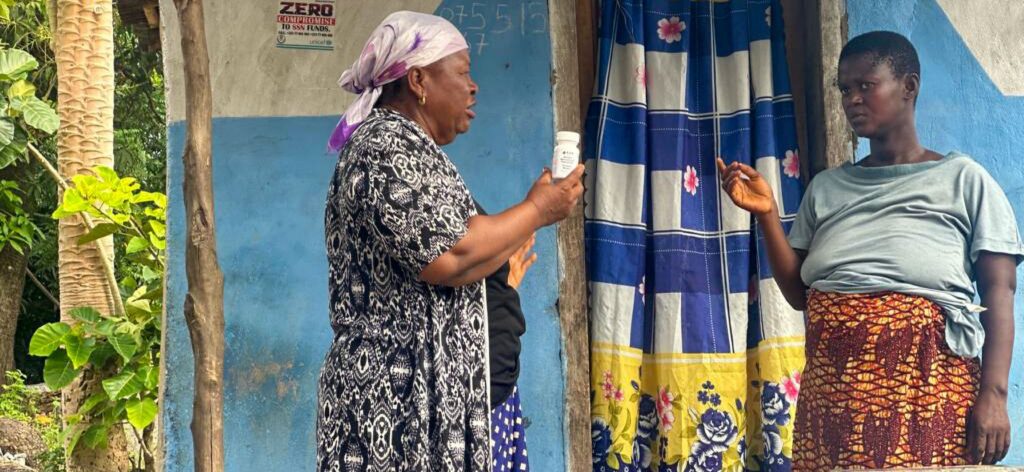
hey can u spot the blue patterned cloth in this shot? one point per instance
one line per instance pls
(508, 436)
(680, 287)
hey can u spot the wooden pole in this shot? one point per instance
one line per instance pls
(204, 303)
(830, 140)
(572, 289)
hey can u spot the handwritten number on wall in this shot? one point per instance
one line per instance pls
(482, 21)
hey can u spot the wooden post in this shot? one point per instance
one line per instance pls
(204, 303)
(830, 140)
(572, 291)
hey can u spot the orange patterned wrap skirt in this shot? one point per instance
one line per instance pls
(881, 388)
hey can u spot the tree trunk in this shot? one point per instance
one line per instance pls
(12, 283)
(84, 52)
(204, 303)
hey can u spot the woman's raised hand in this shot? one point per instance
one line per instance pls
(520, 262)
(747, 189)
(555, 200)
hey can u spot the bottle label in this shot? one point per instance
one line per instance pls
(564, 161)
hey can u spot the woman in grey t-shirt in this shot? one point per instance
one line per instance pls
(883, 256)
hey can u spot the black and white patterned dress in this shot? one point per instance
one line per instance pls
(404, 385)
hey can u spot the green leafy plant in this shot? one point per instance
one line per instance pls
(20, 403)
(16, 228)
(19, 110)
(127, 344)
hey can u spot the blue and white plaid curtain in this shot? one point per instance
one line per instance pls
(696, 356)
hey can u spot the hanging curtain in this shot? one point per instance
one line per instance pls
(696, 356)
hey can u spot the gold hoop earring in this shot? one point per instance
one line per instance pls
(423, 99)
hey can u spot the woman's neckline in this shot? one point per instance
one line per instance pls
(895, 170)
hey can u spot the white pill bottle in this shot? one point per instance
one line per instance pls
(567, 154)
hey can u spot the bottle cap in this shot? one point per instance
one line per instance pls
(570, 136)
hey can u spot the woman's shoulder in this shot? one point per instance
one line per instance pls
(964, 167)
(383, 131)
(385, 136)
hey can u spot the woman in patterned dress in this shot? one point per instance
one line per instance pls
(883, 255)
(404, 384)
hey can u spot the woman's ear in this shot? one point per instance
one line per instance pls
(417, 81)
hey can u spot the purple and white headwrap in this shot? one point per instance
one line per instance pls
(403, 40)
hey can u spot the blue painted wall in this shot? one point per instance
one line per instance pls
(271, 178)
(961, 109)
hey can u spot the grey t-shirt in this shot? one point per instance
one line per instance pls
(912, 228)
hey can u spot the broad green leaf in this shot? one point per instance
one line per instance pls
(106, 327)
(150, 274)
(141, 412)
(15, 64)
(40, 115)
(79, 349)
(6, 131)
(115, 413)
(74, 433)
(106, 174)
(58, 372)
(155, 294)
(128, 283)
(158, 227)
(72, 202)
(15, 150)
(138, 307)
(84, 182)
(158, 242)
(47, 339)
(143, 197)
(85, 314)
(96, 436)
(102, 354)
(152, 378)
(136, 244)
(124, 343)
(122, 385)
(103, 327)
(101, 230)
(91, 402)
(21, 89)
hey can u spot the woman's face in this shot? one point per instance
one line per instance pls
(450, 95)
(874, 99)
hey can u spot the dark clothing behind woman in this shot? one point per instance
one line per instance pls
(506, 325)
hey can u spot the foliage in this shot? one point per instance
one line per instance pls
(139, 151)
(20, 111)
(121, 343)
(16, 229)
(20, 403)
(127, 344)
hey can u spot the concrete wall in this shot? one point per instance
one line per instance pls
(972, 100)
(274, 109)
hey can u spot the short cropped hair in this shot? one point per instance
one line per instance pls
(885, 46)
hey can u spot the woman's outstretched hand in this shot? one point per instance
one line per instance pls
(555, 200)
(520, 262)
(747, 189)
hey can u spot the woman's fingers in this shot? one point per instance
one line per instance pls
(979, 447)
(721, 166)
(529, 262)
(1004, 447)
(747, 170)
